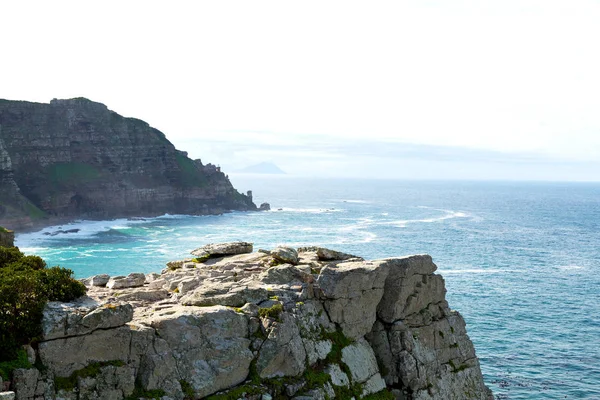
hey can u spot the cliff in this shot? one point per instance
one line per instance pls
(231, 324)
(78, 159)
(7, 238)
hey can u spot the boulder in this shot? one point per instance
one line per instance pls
(99, 280)
(285, 255)
(223, 249)
(134, 279)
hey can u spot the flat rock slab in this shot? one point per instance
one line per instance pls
(223, 249)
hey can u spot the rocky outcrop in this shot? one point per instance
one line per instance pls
(7, 237)
(78, 159)
(251, 326)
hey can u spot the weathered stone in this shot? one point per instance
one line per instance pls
(25, 382)
(426, 351)
(99, 280)
(360, 359)
(285, 254)
(187, 285)
(147, 296)
(135, 279)
(410, 287)
(338, 377)
(284, 274)
(223, 249)
(210, 345)
(100, 345)
(282, 354)
(82, 317)
(373, 385)
(7, 395)
(352, 292)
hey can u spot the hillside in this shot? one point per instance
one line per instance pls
(75, 158)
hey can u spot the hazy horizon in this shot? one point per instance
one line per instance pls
(466, 90)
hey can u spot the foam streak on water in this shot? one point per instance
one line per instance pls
(521, 261)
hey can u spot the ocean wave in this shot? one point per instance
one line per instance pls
(78, 229)
(449, 215)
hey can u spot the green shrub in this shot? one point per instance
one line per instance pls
(25, 287)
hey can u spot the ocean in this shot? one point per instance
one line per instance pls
(521, 260)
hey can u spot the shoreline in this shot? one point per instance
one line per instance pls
(58, 221)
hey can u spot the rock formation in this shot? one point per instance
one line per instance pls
(77, 159)
(7, 238)
(306, 323)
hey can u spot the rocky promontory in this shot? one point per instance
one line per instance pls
(230, 323)
(76, 159)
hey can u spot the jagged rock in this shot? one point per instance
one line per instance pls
(7, 395)
(352, 293)
(135, 279)
(410, 287)
(264, 207)
(223, 249)
(285, 254)
(384, 322)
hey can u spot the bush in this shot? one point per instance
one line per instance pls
(25, 287)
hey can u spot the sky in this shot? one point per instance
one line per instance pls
(401, 89)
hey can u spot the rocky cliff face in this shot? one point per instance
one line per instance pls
(7, 238)
(78, 159)
(231, 324)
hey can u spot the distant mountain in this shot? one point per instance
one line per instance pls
(262, 168)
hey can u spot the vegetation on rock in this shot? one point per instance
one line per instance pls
(25, 287)
(90, 371)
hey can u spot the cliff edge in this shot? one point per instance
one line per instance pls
(77, 159)
(307, 323)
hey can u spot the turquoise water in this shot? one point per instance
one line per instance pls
(521, 260)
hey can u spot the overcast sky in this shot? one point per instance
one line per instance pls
(423, 89)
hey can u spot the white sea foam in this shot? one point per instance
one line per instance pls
(86, 229)
(570, 267)
(403, 222)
